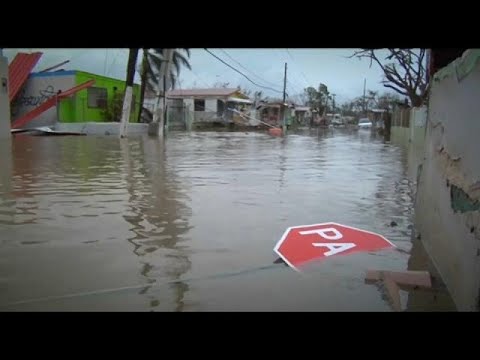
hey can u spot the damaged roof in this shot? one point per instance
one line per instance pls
(203, 92)
(19, 70)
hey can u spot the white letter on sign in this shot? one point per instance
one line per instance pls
(335, 248)
(323, 233)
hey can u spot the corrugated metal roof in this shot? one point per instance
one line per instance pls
(202, 92)
(19, 69)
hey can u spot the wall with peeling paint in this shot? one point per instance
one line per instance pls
(447, 213)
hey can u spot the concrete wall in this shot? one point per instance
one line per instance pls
(211, 105)
(448, 197)
(206, 116)
(416, 141)
(254, 118)
(92, 128)
(399, 135)
(408, 126)
(412, 138)
(188, 103)
(4, 99)
(418, 121)
(36, 91)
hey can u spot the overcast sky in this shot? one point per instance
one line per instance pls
(306, 67)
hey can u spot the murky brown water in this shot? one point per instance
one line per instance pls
(189, 224)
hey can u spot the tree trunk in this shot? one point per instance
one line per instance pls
(143, 82)
(416, 100)
(132, 62)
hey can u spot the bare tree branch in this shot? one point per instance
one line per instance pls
(403, 70)
(403, 92)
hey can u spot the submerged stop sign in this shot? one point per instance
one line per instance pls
(300, 244)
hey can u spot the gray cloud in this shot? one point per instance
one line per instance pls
(306, 67)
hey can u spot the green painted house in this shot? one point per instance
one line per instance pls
(102, 102)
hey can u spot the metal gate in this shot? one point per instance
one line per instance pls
(176, 119)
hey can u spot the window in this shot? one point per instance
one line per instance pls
(199, 104)
(97, 97)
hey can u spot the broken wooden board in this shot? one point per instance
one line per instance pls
(393, 279)
(44, 130)
(393, 292)
(403, 278)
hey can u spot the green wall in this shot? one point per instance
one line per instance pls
(67, 110)
(75, 109)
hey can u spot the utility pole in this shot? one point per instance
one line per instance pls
(364, 103)
(127, 100)
(159, 112)
(284, 98)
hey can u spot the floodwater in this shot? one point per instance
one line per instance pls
(189, 223)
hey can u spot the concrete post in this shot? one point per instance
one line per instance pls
(160, 106)
(4, 99)
(127, 104)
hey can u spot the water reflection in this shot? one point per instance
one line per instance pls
(7, 199)
(190, 223)
(158, 214)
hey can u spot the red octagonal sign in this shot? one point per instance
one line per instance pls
(301, 244)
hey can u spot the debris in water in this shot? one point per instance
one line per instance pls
(280, 261)
(393, 279)
(275, 131)
(405, 278)
(301, 244)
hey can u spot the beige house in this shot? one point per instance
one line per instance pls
(210, 105)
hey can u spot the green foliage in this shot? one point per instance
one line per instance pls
(317, 99)
(113, 111)
(153, 59)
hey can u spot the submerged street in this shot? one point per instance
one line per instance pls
(189, 223)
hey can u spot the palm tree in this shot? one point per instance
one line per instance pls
(150, 71)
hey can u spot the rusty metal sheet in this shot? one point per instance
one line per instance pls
(19, 70)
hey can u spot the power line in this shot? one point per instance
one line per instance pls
(282, 56)
(301, 71)
(243, 67)
(119, 51)
(297, 84)
(199, 78)
(293, 86)
(245, 76)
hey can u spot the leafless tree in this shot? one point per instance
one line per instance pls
(404, 71)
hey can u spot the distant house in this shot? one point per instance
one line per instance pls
(101, 102)
(270, 112)
(377, 116)
(210, 105)
(302, 113)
